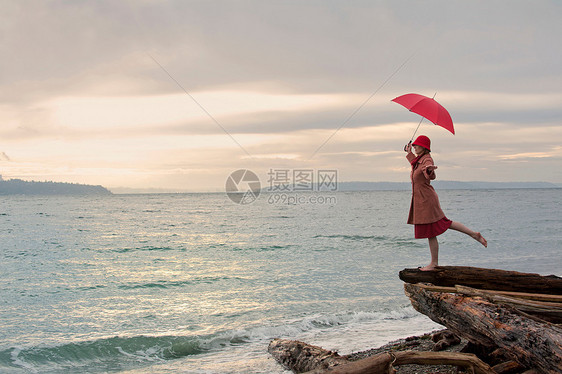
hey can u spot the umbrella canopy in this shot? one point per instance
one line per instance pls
(427, 108)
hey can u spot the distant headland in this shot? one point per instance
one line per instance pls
(21, 187)
(443, 185)
(358, 186)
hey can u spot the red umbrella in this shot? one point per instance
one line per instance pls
(427, 108)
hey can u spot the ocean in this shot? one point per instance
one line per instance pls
(194, 283)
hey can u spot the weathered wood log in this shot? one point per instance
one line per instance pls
(488, 279)
(380, 363)
(547, 311)
(444, 340)
(301, 357)
(545, 308)
(497, 297)
(517, 295)
(383, 363)
(530, 343)
(508, 367)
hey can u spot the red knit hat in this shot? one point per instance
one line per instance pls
(423, 141)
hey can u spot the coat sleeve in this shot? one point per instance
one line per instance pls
(410, 156)
(428, 161)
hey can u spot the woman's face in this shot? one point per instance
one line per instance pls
(418, 150)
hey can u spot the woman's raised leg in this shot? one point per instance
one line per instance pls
(475, 235)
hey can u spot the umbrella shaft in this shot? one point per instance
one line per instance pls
(421, 120)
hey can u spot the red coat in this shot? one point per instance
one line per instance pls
(425, 207)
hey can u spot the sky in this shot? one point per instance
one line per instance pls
(175, 95)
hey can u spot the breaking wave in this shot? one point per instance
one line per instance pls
(121, 353)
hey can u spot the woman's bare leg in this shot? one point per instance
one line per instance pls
(434, 250)
(475, 235)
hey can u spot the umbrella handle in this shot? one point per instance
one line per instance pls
(406, 146)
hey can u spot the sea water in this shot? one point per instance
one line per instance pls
(194, 283)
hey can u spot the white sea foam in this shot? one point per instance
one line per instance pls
(18, 362)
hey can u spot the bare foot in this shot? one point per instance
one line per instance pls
(477, 236)
(428, 268)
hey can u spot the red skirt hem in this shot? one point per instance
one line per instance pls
(430, 230)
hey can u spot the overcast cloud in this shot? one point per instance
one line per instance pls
(81, 99)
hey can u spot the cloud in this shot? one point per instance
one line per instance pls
(518, 156)
(311, 47)
(81, 98)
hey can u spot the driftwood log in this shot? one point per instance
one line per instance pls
(529, 342)
(508, 367)
(545, 308)
(514, 316)
(487, 279)
(518, 295)
(384, 363)
(301, 357)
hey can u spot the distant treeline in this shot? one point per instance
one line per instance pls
(443, 185)
(407, 186)
(21, 187)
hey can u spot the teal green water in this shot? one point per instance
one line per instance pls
(197, 284)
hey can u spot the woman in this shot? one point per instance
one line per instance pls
(425, 212)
